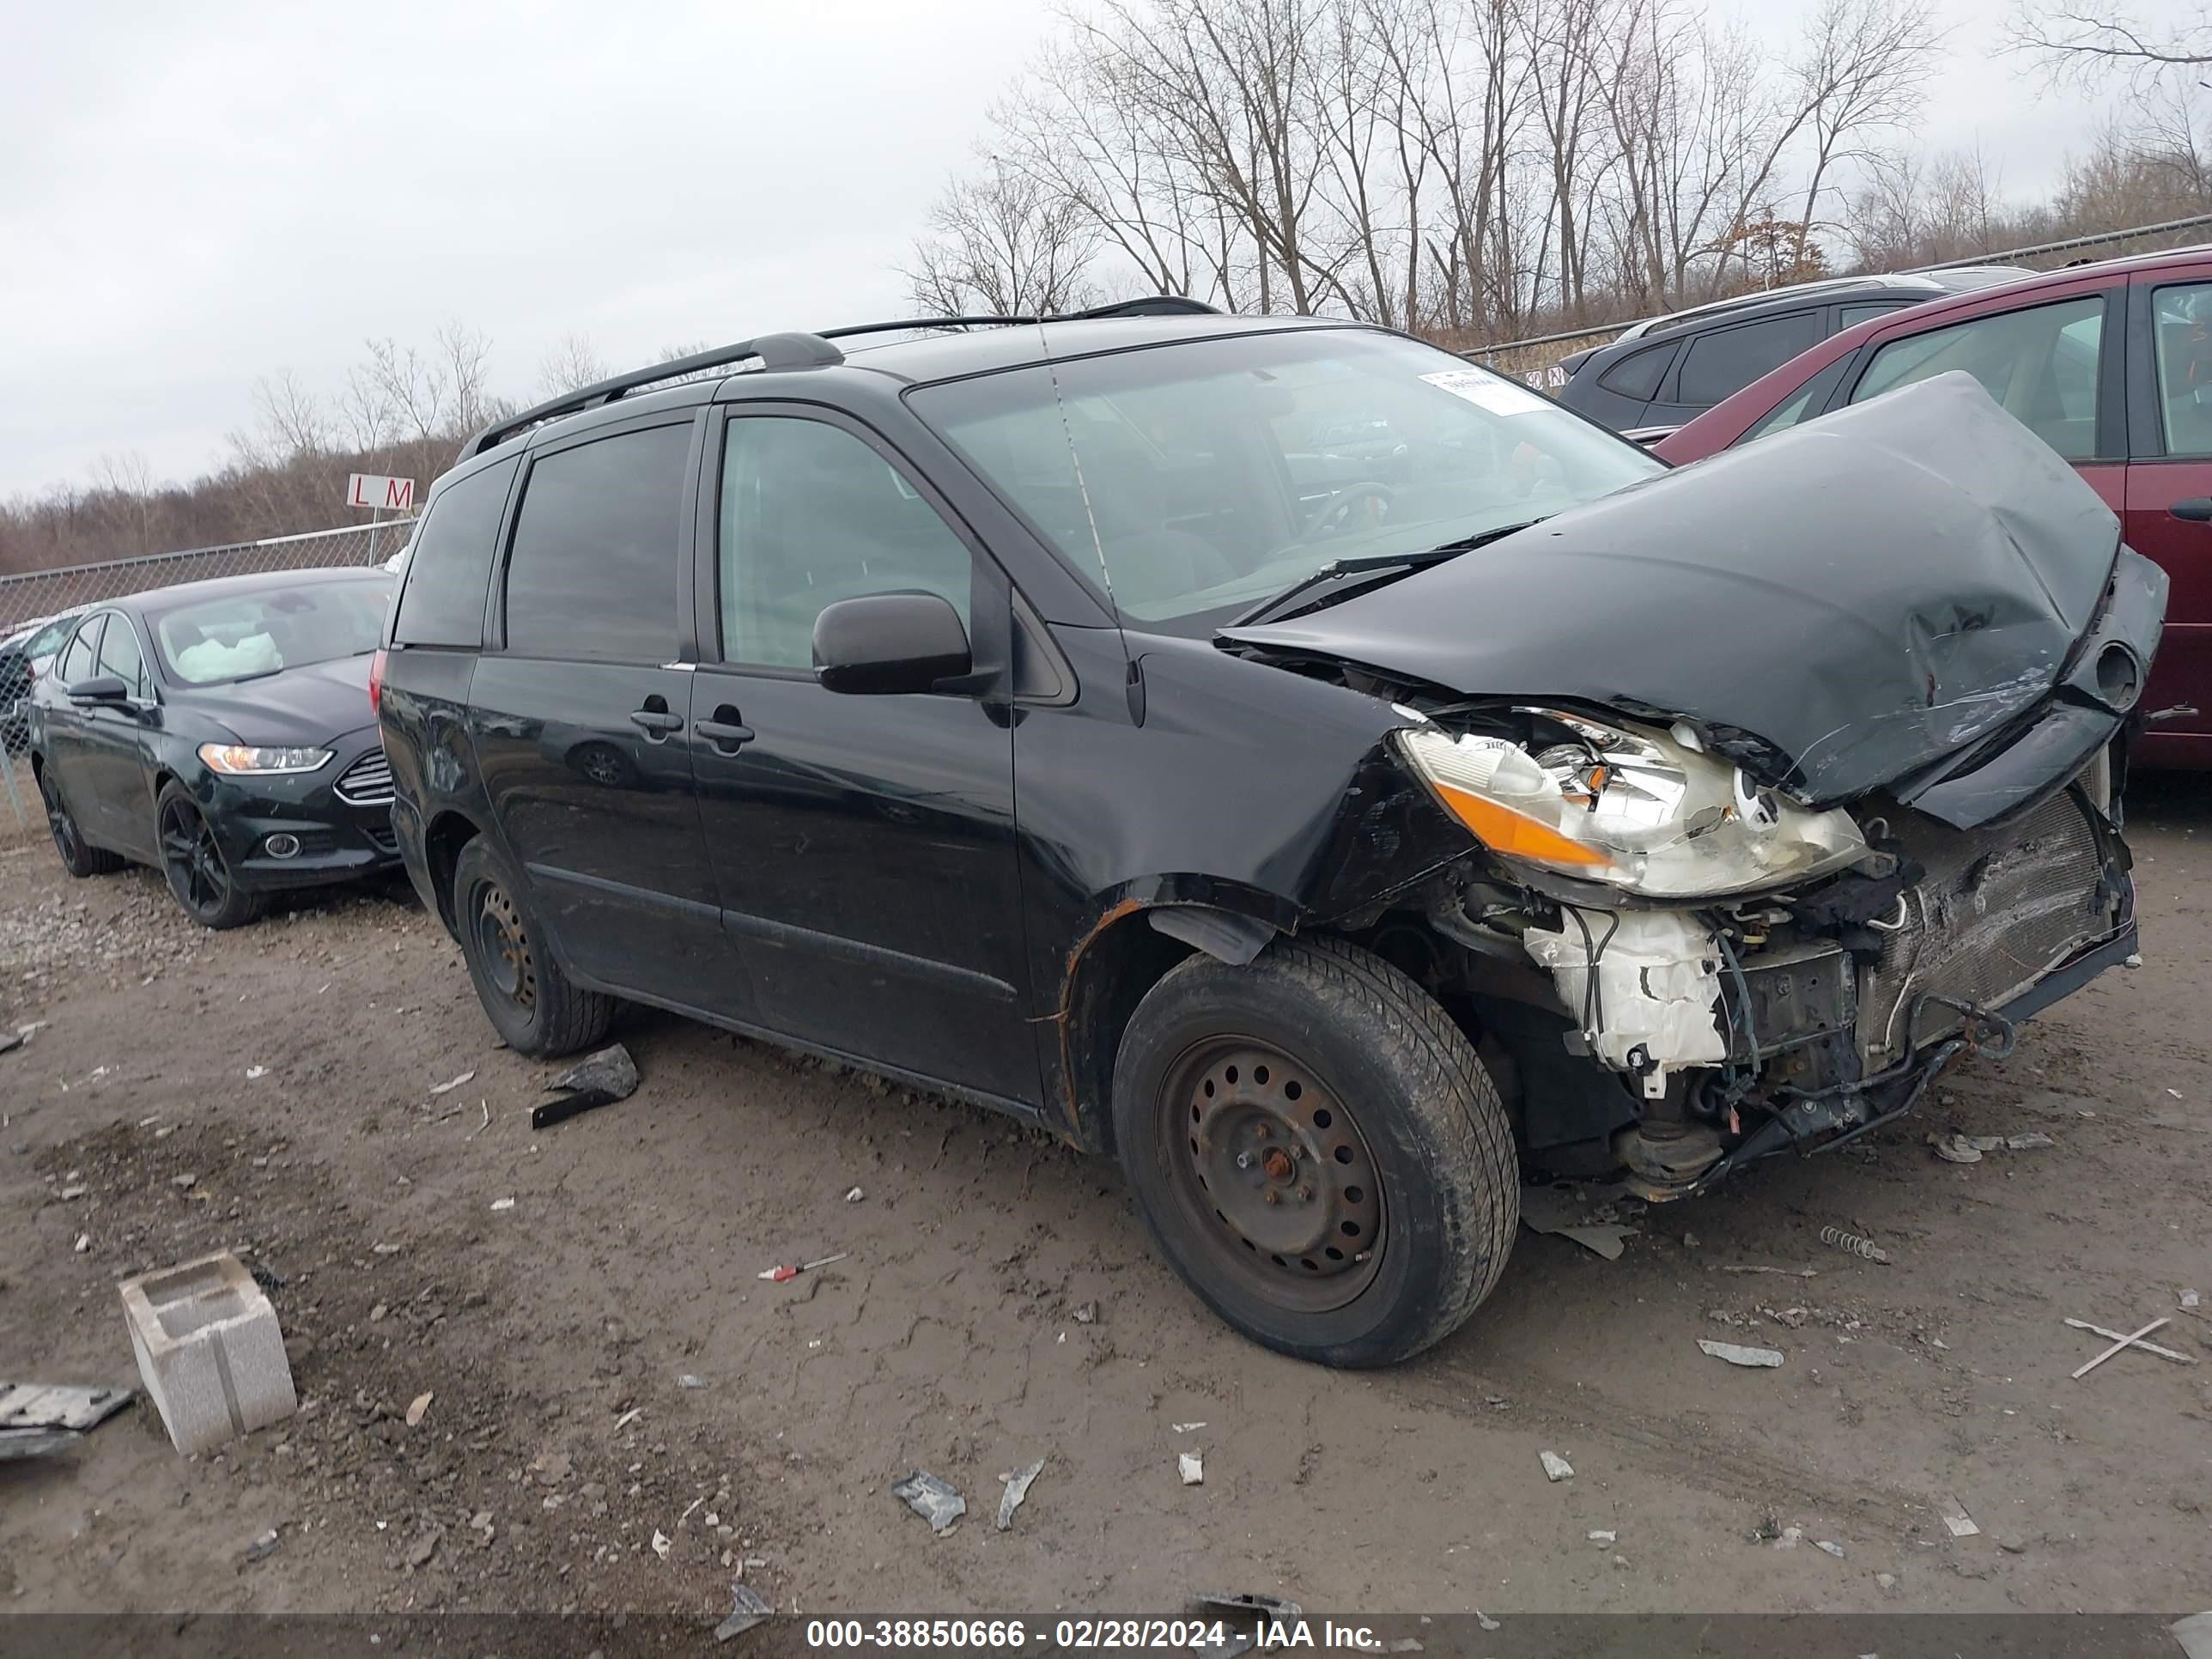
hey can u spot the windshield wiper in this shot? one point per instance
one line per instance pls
(1376, 567)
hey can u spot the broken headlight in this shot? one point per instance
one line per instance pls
(1628, 807)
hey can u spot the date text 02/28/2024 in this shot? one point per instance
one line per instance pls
(1196, 1636)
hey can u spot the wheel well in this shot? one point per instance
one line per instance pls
(1115, 968)
(449, 832)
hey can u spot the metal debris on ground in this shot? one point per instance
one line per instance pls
(263, 1546)
(58, 1406)
(1192, 1466)
(747, 1608)
(1955, 1148)
(35, 1443)
(1567, 1214)
(1830, 1545)
(931, 1498)
(1268, 1606)
(1556, 1468)
(1736, 1354)
(2115, 1336)
(2123, 1342)
(1018, 1488)
(448, 1087)
(778, 1275)
(1853, 1244)
(1956, 1521)
(1780, 1272)
(597, 1080)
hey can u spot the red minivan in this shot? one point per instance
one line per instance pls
(2110, 364)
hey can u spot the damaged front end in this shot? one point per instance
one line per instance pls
(1755, 976)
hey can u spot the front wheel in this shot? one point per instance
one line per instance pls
(1317, 1151)
(199, 876)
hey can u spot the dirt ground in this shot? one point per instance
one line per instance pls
(623, 1417)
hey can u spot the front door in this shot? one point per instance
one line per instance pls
(580, 717)
(2169, 501)
(113, 741)
(863, 846)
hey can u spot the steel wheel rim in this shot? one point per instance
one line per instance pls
(192, 859)
(503, 947)
(1273, 1174)
(59, 824)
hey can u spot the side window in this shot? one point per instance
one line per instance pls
(594, 574)
(809, 514)
(1723, 363)
(118, 656)
(1810, 400)
(1638, 374)
(76, 662)
(449, 566)
(2181, 341)
(1852, 316)
(2040, 364)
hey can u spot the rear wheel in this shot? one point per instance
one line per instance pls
(199, 876)
(529, 1001)
(1317, 1150)
(79, 856)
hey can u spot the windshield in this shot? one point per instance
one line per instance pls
(240, 635)
(1206, 475)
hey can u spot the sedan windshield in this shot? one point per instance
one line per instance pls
(243, 635)
(1199, 478)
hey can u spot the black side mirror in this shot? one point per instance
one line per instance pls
(100, 688)
(882, 644)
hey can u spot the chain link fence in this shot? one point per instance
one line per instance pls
(36, 596)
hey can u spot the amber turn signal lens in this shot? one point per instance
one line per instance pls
(1516, 835)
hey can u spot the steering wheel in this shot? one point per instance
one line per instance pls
(1335, 515)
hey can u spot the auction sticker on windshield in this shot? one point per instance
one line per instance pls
(1498, 396)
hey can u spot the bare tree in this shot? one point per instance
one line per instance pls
(1005, 246)
(573, 364)
(463, 357)
(1863, 67)
(2093, 39)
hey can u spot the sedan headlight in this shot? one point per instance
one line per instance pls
(238, 758)
(1630, 808)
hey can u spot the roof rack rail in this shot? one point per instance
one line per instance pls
(797, 350)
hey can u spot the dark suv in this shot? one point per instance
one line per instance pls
(1659, 373)
(1279, 753)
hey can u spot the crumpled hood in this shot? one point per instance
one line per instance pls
(301, 708)
(1834, 606)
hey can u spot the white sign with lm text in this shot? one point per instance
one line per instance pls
(386, 495)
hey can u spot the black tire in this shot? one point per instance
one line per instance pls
(529, 1001)
(79, 856)
(1316, 1062)
(198, 875)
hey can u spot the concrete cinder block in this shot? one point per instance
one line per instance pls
(209, 1351)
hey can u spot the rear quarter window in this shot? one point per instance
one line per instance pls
(449, 569)
(1720, 364)
(1638, 374)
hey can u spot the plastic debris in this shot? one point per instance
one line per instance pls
(661, 1544)
(933, 1499)
(2033, 1140)
(502, 1204)
(2189, 1299)
(1853, 1245)
(1956, 1521)
(746, 1610)
(1955, 1148)
(628, 1418)
(1556, 1468)
(1736, 1354)
(1830, 1545)
(1565, 1214)
(255, 1072)
(2194, 1633)
(2122, 1342)
(688, 1381)
(417, 1407)
(2115, 1336)
(597, 1080)
(855, 1196)
(1187, 1428)
(1268, 1606)
(1087, 1314)
(451, 1085)
(263, 1546)
(1603, 1537)
(58, 1406)
(1486, 1621)
(780, 1275)
(1192, 1466)
(16, 1443)
(1780, 1272)
(1018, 1488)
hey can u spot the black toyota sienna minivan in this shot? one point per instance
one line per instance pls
(1320, 772)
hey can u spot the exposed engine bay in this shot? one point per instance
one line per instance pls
(1756, 975)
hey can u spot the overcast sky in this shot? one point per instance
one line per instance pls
(194, 196)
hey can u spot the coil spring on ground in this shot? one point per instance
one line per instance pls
(1854, 1244)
